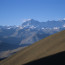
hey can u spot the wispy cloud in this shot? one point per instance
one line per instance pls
(64, 18)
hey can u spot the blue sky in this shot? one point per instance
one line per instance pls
(13, 12)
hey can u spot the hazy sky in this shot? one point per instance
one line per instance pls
(12, 12)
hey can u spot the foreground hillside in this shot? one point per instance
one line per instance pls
(46, 47)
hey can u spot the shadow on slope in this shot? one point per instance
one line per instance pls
(2, 59)
(56, 59)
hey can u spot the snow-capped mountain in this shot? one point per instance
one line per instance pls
(31, 23)
(28, 29)
(27, 33)
(49, 24)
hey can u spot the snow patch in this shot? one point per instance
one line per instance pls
(64, 25)
(25, 20)
(8, 28)
(42, 28)
(32, 27)
(55, 28)
(21, 27)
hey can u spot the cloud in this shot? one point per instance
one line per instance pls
(64, 18)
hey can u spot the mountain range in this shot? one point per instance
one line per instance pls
(48, 51)
(29, 32)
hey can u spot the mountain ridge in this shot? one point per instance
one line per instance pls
(27, 33)
(45, 47)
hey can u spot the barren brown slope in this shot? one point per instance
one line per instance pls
(48, 46)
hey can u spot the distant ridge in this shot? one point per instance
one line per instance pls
(45, 47)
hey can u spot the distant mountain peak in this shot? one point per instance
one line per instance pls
(31, 20)
(27, 20)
